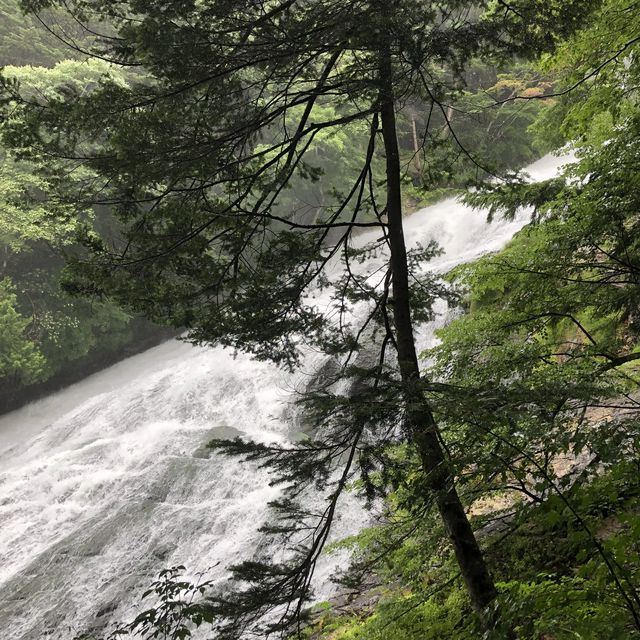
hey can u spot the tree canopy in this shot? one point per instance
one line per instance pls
(37, 229)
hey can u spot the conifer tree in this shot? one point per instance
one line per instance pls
(225, 104)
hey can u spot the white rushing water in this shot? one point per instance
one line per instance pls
(107, 482)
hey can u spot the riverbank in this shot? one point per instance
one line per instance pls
(145, 336)
(549, 572)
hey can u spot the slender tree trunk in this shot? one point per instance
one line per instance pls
(417, 160)
(420, 421)
(414, 130)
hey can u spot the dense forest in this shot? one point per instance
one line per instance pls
(211, 168)
(49, 338)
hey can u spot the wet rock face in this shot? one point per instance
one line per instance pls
(223, 432)
(163, 550)
(39, 603)
(122, 488)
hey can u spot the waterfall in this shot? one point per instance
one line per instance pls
(108, 481)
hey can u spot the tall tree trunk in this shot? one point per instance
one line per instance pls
(417, 160)
(414, 130)
(420, 421)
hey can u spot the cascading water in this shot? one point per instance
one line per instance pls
(107, 482)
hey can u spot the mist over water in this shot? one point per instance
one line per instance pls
(108, 481)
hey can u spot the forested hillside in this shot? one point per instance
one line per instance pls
(25, 41)
(47, 337)
(244, 173)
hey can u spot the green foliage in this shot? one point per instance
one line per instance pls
(564, 609)
(553, 326)
(410, 617)
(36, 230)
(565, 589)
(66, 328)
(19, 357)
(178, 608)
(597, 76)
(29, 213)
(64, 78)
(553, 583)
(483, 132)
(24, 214)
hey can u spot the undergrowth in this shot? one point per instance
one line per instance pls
(553, 580)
